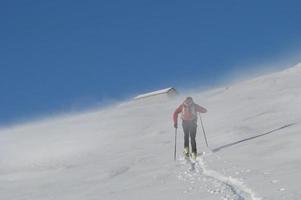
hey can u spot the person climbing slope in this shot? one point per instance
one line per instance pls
(188, 110)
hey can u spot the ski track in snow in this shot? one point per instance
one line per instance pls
(227, 186)
(237, 187)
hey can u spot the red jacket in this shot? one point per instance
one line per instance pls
(188, 113)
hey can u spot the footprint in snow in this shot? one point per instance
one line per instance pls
(119, 171)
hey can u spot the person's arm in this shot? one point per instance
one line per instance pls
(200, 109)
(175, 115)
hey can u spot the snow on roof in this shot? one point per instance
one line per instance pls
(163, 91)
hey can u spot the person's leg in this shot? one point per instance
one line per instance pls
(186, 135)
(193, 128)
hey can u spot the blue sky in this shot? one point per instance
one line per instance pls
(61, 54)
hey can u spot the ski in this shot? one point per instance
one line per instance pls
(192, 161)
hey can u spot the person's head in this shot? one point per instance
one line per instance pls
(188, 101)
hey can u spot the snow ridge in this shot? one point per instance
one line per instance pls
(238, 187)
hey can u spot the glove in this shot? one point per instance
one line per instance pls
(175, 125)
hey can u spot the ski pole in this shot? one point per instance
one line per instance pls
(204, 130)
(175, 152)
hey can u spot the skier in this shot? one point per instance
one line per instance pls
(189, 111)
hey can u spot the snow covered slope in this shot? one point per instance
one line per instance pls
(126, 151)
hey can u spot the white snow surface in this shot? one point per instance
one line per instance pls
(125, 152)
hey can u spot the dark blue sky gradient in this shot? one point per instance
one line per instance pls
(61, 54)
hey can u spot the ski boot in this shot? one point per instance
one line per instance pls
(194, 155)
(186, 153)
